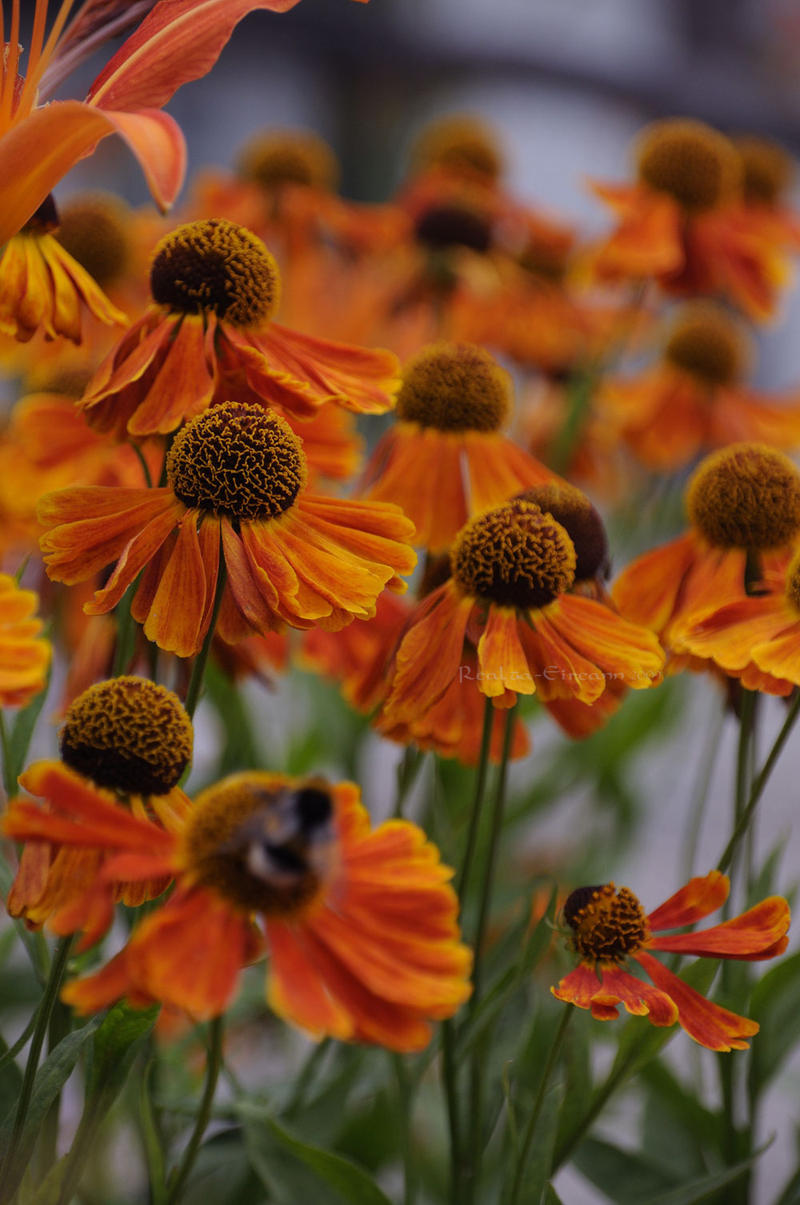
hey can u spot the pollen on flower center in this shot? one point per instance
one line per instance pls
(745, 496)
(454, 387)
(288, 157)
(93, 229)
(443, 226)
(707, 344)
(690, 161)
(239, 460)
(264, 842)
(768, 170)
(214, 265)
(793, 583)
(128, 734)
(570, 507)
(462, 144)
(515, 556)
(607, 925)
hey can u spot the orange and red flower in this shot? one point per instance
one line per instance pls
(610, 926)
(234, 517)
(24, 651)
(360, 923)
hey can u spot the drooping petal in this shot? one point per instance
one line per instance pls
(501, 657)
(429, 655)
(699, 897)
(709, 1024)
(753, 935)
(37, 151)
(580, 987)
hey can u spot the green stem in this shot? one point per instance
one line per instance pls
(52, 988)
(199, 667)
(449, 1074)
(479, 1057)
(530, 1129)
(145, 466)
(8, 775)
(307, 1073)
(177, 1180)
(126, 632)
(405, 1106)
(407, 771)
(757, 790)
(697, 807)
(613, 1080)
(462, 878)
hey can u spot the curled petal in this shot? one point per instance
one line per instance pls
(708, 1023)
(755, 934)
(699, 897)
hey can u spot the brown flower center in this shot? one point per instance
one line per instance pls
(454, 387)
(444, 226)
(768, 170)
(607, 925)
(238, 460)
(690, 161)
(570, 507)
(94, 230)
(461, 144)
(745, 496)
(264, 842)
(514, 556)
(280, 157)
(218, 267)
(128, 734)
(707, 344)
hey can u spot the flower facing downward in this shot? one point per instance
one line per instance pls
(445, 459)
(690, 162)
(743, 503)
(360, 924)
(609, 926)
(235, 491)
(43, 288)
(512, 570)
(125, 741)
(210, 336)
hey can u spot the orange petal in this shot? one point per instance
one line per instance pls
(501, 657)
(297, 991)
(750, 936)
(174, 621)
(98, 991)
(580, 987)
(624, 651)
(429, 656)
(700, 896)
(708, 1023)
(647, 591)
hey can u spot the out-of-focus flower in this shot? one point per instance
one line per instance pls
(24, 651)
(683, 223)
(235, 491)
(445, 459)
(209, 335)
(609, 926)
(360, 924)
(768, 173)
(125, 742)
(743, 504)
(512, 570)
(694, 399)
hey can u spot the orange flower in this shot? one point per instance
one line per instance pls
(43, 288)
(235, 490)
(128, 741)
(610, 926)
(209, 336)
(445, 460)
(767, 176)
(756, 638)
(743, 502)
(24, 652)
(693, 399)
(512, 568)
(683, 223)
(360, 924)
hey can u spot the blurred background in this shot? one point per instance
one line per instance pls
(567, 85)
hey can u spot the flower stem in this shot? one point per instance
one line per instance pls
(479, 1058)
(757, 789)
(177, 1181)
(46, 1005)
(462, 878)
(407, 771)
(199, 667)
(697, 808)
(404, 1112)
(530, 1129)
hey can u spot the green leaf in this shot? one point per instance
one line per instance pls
(50, 1079)
(347, 1179)
(626, 1176)
(116, 1044)
(695, 1191)
(677, 1128)
(49, 1191)
(774, 1005)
